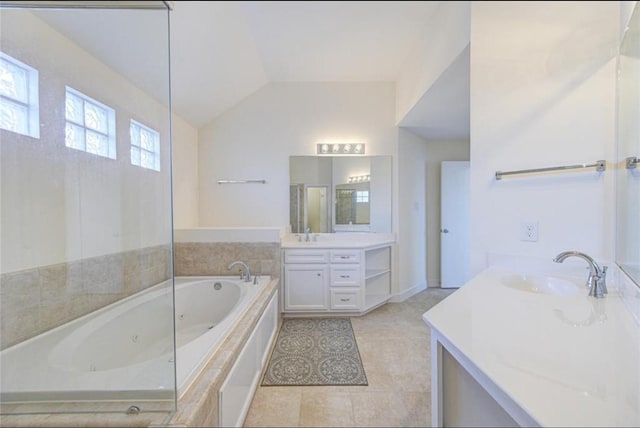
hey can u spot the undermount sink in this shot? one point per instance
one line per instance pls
(541, 284)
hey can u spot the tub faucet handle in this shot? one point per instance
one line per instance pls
(603, 279)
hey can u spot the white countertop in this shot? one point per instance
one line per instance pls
(361, 240)
(565, 360)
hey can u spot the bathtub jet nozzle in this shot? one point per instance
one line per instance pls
(133, 410)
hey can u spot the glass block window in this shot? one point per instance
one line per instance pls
(19, 109)
(145, 146)
(362, 196)
(90, 125)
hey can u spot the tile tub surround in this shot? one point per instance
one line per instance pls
(36, 300)
(212, 258)
(198, 407)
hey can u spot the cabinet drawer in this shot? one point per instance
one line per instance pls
(306, 256)
(345, 298)
(345, 275)
(345, 256)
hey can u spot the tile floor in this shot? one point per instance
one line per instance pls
(394, 347)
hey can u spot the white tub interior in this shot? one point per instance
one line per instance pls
(125, 350)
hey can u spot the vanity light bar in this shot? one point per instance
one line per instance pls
(360, 178)
(340, 149)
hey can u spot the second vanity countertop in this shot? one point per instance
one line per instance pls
(338, 240)
(566, 360)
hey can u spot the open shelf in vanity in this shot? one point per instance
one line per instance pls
(377, 277)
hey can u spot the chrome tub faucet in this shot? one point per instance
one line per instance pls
(245, 271)
(597, 280)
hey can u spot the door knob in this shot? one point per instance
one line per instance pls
(444, 230)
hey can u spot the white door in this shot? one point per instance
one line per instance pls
(455, 224)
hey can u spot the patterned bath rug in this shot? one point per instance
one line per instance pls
(315, 351)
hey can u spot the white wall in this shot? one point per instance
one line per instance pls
(254, 140)
(445, 36)
(542, 94)
(185, 174)
(412, 235)
(61, 204)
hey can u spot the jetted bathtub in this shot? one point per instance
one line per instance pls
(125, 350)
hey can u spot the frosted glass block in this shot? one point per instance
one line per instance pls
(97, 144)
(73, 108)
(147, 140)
(147, 160)
(135, 156)
(13, 117)
(13, 81)
(74, 136)
(134, 132)
(95, 117)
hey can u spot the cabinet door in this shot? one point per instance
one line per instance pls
(305, 287)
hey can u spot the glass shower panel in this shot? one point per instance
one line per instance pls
(86, 284)
(628, 146)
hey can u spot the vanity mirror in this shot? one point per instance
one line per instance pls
(628, 173)
(340, 194)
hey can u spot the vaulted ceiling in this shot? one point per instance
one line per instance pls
(223, 51)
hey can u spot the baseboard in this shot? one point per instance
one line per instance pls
(434, 282)
(404, 295)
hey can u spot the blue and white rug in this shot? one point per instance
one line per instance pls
(315, 351)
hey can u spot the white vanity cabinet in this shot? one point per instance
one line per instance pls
(340, 280)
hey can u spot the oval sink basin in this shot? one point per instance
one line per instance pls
(541, 284)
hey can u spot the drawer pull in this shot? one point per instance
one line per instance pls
(319, 274)
(344, 300)
(345, 276)
(345, 257)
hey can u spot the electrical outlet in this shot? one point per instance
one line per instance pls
(529, 231)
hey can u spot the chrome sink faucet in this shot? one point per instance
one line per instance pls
(307, 237)
(597, 280)
(246, 272)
